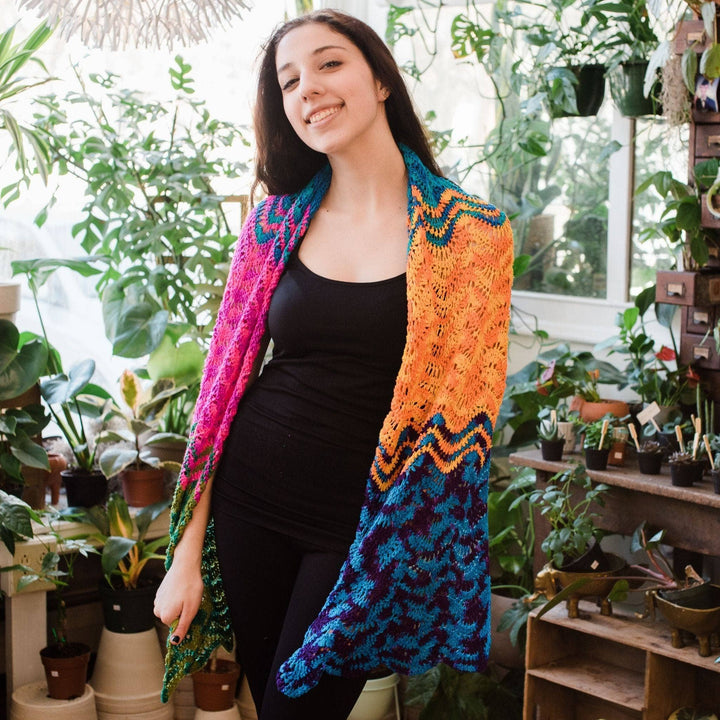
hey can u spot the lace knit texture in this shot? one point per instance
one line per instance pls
(414, 590)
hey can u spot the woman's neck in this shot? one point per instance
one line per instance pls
(367, 181)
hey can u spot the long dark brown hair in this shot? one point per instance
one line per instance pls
(284, 163)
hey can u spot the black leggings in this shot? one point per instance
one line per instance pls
(275, 587)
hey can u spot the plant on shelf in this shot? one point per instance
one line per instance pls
(22, 363)
(551, 443)
(648, 370)
(128, 451)
(572, 519)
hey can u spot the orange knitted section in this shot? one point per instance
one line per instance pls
(455, 358)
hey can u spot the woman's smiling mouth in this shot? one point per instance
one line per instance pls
(316, 117)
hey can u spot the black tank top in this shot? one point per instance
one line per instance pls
(304, 436)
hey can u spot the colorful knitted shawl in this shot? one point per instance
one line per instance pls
(414, 590)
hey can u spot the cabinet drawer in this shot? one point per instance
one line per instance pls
(695, 289)
(700, 351)
(699, 320)
(707, 141)
(691, 33)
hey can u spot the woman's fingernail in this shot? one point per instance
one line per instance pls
(175, 639)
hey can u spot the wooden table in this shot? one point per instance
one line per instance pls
(690, 516)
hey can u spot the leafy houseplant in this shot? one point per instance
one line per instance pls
(124, 557)
(126, 451)
(571, 517)
(21, 419)
(681, 221)
(551, 444)
(647, 370)
(13, 59)
(154, 225)
(65, 662)
(596, 444)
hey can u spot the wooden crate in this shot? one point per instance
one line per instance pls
(616, 668)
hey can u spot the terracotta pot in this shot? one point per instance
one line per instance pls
(592, 411)
(54, 479)
(66, 669)
(84, 489)
(215, 691)
(143, 487)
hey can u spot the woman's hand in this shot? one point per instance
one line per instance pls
(178, 597)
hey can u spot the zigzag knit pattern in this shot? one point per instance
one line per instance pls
(414, 590)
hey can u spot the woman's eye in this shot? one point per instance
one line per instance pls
(288, 84)
(331, 64)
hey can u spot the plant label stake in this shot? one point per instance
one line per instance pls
(634, 435)
(679, 436)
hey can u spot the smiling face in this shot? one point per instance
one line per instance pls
(330, 96)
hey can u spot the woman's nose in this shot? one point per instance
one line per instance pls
(309, 85)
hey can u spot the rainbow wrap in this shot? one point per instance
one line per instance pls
(414, 590)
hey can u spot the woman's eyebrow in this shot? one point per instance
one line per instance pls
(317, 51)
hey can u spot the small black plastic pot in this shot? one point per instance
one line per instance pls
(552, 449)
(650, 463)
(687, 473)
(129, 610)
(593, 559)
(596, 459)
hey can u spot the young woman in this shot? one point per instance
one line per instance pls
(331, 509)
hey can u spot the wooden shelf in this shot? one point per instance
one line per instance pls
(617, 667)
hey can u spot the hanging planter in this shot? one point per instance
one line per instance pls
(626, 87)
(589, 90)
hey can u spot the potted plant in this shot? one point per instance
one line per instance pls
(215, 686)
(650, 456)
(127, 592)
(74, 402)
(129, 653)
(629, 44)
(551, 444)
(65, 662)
(22, 417)
(162, 253)
(573, 541)
(686, 467)
(654, 374)
(596, 444)
(127, 451)
(568, 72)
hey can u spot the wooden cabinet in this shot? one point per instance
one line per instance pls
(615, 668)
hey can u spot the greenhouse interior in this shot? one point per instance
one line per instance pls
(476, 502)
